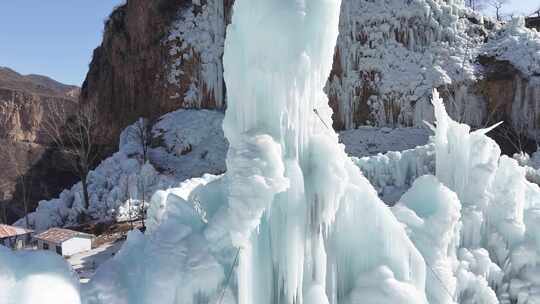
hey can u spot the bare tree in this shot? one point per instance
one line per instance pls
(3, 202)
(3, 213)
(498, 5)
(476, 5)
(142, 207)
(21, 163)
(73, 133)
(128, 196)
(140, 133)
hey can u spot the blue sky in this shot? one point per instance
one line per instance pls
(52, 37)
(56, 37)
(518, 6)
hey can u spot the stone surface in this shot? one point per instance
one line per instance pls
(158, 56)
(24, 146)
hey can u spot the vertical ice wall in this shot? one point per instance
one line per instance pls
(309, 226)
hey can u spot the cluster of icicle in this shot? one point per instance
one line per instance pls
(481, 238)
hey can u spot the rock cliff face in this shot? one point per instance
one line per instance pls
(158, 56)
(391, 54)
(24, 104)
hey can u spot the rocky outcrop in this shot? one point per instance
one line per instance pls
(391, 54)
(24, 106)
(159, 56)
(156, 57)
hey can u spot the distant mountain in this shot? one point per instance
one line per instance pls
(24, 147)
(36, 84)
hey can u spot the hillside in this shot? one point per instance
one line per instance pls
(36, 84)
(24, 105)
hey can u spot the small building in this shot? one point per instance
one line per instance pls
(64, 242)
(533, 21)
(14, 237)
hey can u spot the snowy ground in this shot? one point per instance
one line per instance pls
(368, 141)
(86, 263)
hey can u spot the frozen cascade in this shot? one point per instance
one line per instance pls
(298, 231)
(488, 252)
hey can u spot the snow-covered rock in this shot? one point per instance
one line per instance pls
(185, 144)
(195, 43)
(390, 54)
(518, 45)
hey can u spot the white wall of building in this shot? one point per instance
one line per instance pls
(76, 245)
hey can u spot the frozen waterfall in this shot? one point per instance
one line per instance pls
(310, 227)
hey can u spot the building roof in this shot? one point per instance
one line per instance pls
(59, 235)
(7, 231)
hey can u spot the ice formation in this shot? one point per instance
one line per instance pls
(434, 228)
(290, 201)
(307, 231)
(394, 172)
(487, 252)
(392, 53)
(36, 277)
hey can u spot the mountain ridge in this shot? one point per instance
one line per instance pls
(36, 84)
(24, 146)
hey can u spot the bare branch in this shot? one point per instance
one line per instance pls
(73, 133)
(21, 163)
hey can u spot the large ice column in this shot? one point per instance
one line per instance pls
(309, 226)
(499, 206)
